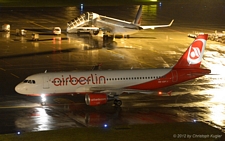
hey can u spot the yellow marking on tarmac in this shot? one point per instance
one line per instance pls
(40, 25)
(2, 69)
(10, 73)
(14, 75)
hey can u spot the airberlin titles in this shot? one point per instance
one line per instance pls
(82, 80)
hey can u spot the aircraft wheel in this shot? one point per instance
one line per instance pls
(96, 32)
(117, 102)
(43, 103)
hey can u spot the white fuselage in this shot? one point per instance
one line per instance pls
(88, 81)
(116, 26)
(106, 24)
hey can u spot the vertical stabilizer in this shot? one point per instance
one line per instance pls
(193, 56)
(137, 20)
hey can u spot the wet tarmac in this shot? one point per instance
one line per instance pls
(199, 100)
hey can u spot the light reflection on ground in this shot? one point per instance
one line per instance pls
(215, 61)
(217, 114)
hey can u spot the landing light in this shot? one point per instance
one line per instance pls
(18, 133)
(160, 93)
(105, 125)
(43, 99)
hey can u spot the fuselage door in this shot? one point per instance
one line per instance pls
(45, 82)
(174, 76)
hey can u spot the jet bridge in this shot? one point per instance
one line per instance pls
(85, 20)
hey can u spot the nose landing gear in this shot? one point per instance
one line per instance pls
(43, 100)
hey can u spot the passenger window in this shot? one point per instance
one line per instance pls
(33, 81)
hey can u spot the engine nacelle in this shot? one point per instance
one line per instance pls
(95, 32)
(96, 99)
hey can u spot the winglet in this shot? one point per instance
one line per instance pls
(193, 56)
(171, 22)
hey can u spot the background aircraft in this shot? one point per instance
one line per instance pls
(101, 86)
(93, 22)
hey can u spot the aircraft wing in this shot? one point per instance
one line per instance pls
(114, 90)
(104, 89)
(87, 28)
(156, 26)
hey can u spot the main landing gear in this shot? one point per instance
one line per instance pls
(117, 102)
(109, 42)
(114, 97)
(105, 39)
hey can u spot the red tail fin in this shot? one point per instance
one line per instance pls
(193, 56)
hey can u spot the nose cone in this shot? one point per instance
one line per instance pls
(19, 89)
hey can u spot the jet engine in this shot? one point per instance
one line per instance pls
(95, 32)
(96, 99)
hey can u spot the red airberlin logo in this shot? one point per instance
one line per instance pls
(74, 80)
(195, 51)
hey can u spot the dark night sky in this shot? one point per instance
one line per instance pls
(49, 3)
(46, 3)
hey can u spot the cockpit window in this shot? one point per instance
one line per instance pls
(29, 81)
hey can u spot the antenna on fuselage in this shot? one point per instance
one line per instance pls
(45, 71)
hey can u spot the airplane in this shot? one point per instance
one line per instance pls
(101, 86)
(93, 22)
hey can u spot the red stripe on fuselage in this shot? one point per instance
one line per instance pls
(173, 77)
